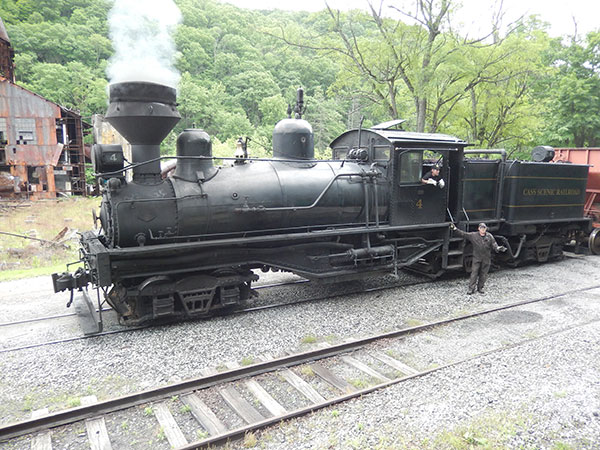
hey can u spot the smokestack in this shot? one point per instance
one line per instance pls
(144, 113)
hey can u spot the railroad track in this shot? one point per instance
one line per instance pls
(250, 309)
(62, 316)
(262, 410)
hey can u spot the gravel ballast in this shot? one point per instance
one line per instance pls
(545, 392)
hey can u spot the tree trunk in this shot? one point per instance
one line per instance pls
(421, 104)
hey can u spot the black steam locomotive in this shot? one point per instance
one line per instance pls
(189, 245)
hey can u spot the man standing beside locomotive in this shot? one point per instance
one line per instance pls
(483, 243)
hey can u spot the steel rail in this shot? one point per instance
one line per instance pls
(223, 314)
(61, 316)
(85, 412)
(41, 319)
(286, 283)
(106, 333)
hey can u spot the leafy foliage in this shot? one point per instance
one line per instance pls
(240, 69)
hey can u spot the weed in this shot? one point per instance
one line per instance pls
(125, 425)
(202, 434)
(247, 360)
(281, 377)
(392, 353)
(161, 434)
(472, 439)
(185, 409)
(73, 402)
(530, 335)
(28, 403)
(561, 446)
(488, 431)
(359, 383)
(331, 339)
(307, 371)
(309, 339)
(250, 440)
(413, 322)
(335, 413)
(333, 441)
(560, 394)
(148, 411)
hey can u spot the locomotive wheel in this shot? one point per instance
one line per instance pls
(594, 241)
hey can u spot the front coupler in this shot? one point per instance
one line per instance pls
(66, 280)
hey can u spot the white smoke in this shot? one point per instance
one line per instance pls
(141, 33)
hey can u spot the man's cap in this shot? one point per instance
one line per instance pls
(437, 167)
(482, 225)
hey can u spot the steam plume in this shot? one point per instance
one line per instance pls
(141, 33)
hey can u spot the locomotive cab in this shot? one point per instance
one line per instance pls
(408, 156)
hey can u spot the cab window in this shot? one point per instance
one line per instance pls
(410, 167)
(381, 153)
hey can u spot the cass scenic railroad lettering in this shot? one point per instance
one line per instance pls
(550, 191)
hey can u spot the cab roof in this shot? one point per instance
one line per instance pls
(396, 138)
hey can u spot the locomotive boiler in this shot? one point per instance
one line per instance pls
(192, 244)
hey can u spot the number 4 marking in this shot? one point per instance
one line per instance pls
(420, 203)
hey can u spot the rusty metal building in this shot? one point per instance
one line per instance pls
(41, 143)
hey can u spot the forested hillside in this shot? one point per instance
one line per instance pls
(240, 68)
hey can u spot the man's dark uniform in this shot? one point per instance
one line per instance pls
(430, 174)
(482, 257)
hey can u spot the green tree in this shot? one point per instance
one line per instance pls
(72, 85)
(573, 103)
(502, 109)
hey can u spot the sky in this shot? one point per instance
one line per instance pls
(558, 13)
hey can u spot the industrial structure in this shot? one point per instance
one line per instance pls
(42, 152)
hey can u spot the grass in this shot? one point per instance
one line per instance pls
(73, 402)
(250, 440)
(17, 274)
(359, 383)
(488, 431)
(307, 371)
(309, 339)
(185, 409)
(247, 361)
(202, 434)
(413, 322)
(45, 219)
